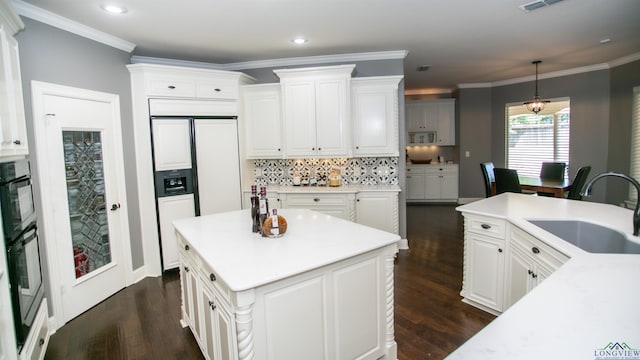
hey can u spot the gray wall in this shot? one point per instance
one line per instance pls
(52, 55)
(600, 125)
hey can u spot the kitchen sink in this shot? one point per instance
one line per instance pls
(589, 237)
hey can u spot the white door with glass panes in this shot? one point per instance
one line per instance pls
(80, 168)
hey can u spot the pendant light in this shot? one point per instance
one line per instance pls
(536, 105)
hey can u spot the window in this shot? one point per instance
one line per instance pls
(533, 139)
(635, 145)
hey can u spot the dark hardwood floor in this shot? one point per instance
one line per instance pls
(142, 321)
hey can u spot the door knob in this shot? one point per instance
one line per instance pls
(115, 207)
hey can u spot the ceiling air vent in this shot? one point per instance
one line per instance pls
(537, 4)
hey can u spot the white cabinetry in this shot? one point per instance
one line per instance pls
(263, 121)
(529, 262)
(172, 208)
(378, 210)
(172, 148)
(316, 110)
(483, 267)
(13, 133)
(338, 205)
(374, 104)
(431, 122)
(432, 182)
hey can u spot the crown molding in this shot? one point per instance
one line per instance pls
(259, 64)
(9, 17)
(71, 26)
(584, 69)
(432, 91)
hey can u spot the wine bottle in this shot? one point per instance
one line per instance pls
(255, 205)
(275, 228)
(263, 208)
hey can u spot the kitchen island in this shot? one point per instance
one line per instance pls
(322, 291)
(587, 305)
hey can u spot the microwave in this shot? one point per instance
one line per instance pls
(422, 138)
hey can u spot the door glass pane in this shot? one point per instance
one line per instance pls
(86, 198)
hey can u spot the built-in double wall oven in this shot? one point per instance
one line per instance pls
(21, 242)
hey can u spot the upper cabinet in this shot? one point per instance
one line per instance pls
(431, 122)
(263, 127)
(316, 110)
(374, 102)
(13, 133)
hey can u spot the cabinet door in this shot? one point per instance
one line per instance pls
(13, 133)
(485, 271)
(209, 340)
(518, 282)
(226, 329)
(433, 184)
(299, 118)
(377, 210)
(189, 284)
(375, 117)
(171, 144)
(415, 187)
(218, 165)
(332, 112)
(449, 185)
(430, 116)
(446, 123)
(263, 121)
(172, 208)
(415, 119)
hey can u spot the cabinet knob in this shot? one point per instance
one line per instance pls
(316, 199)
(535, 250)
(186, 247)
(499, 250)
(212, 305)
(186, 268)
(41, 342)
(358, 200)
(534, 275)
(212, 277)
(278, 149)
(313, 149)
(529, 272)
(357, 147)
(217, 90)
(171, 87)
(319, 149)
(17, 142)
(485, 226)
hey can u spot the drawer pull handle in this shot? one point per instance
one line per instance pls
(485, 226)
(186, 247)
(17, 142)
(212, 305)
(316, 199)
(212, 277)
(171, 87)
(535, 250)
(217, 90)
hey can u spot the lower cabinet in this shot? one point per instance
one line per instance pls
(432, 182)
(502, 263)
(172, 208)
(337, 311)
(529, 262)
(377, 209)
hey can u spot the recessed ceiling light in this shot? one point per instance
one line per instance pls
(114, 9)
(299, 41)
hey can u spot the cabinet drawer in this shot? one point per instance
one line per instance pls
(416, 170)
(217, 89)
(536, 248)
(171, 87)
(310, 201)
(441, 169)
(486, 225)
(211, 280)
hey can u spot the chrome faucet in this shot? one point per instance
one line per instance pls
(586, 191)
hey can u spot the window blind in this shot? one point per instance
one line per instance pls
(635, 143)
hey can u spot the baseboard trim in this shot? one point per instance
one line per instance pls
(403, 244)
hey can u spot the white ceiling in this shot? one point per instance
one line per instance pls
(463, 42)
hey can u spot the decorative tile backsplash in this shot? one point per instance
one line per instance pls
(361, 171)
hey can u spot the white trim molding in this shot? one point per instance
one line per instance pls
(60, 22)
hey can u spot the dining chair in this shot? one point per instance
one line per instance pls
(487, 172)
(578, 183)
(506, 180)
(553, 170)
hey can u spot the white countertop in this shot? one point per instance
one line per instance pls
(591, 301)
(328, 189)
(243, 260)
